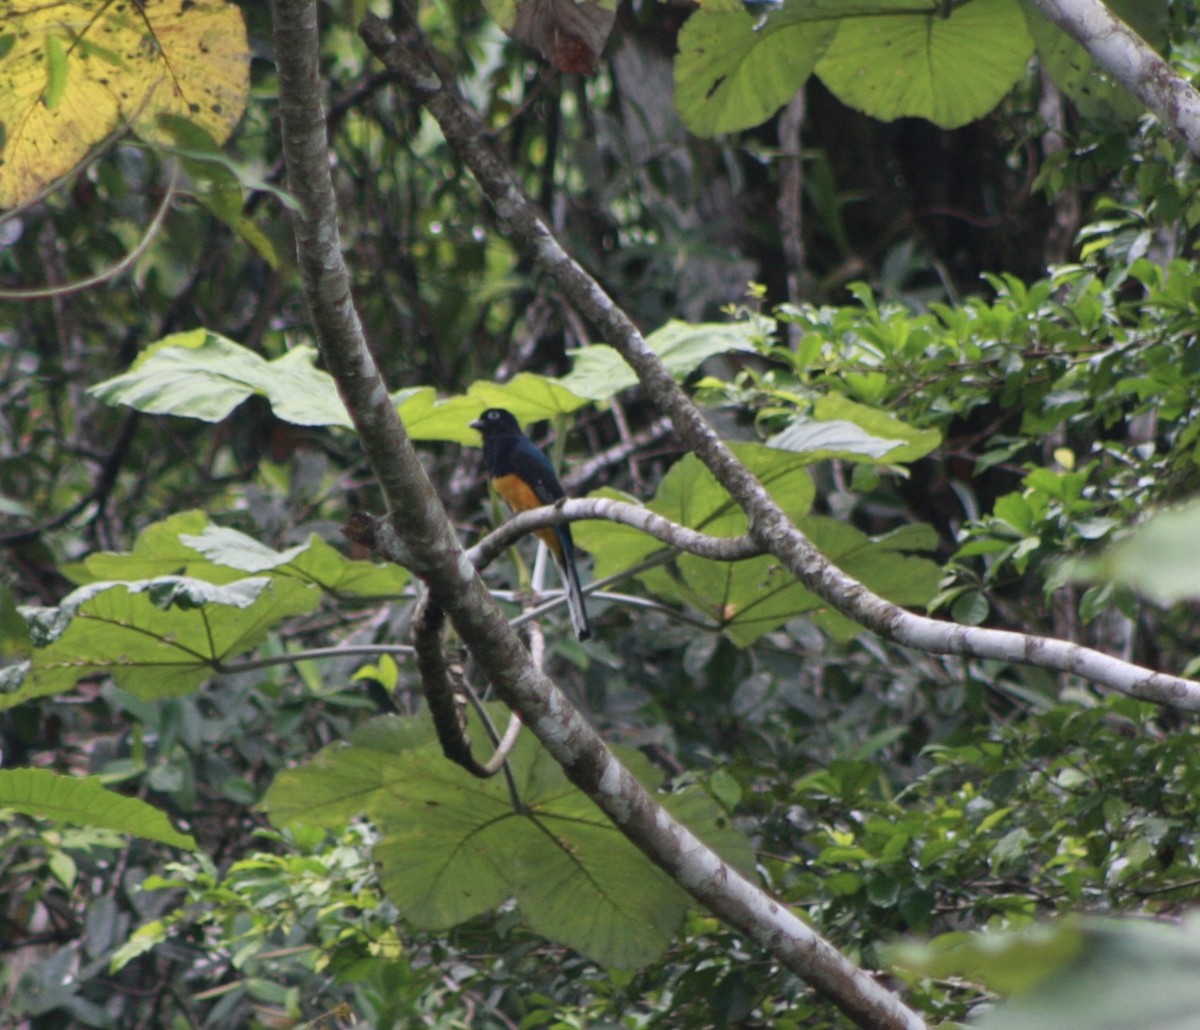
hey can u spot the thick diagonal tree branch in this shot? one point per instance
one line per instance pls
(1129, 59)
(424, 534)
(769, 525)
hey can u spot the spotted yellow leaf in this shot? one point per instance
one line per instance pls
(74, 72)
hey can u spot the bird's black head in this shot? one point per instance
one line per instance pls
(496, 422)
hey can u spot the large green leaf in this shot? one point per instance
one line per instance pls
(842, 428)
(948, 70)
(751, 598)
(349, 778)
(733, 72)
(83, 801)
(199, 374)
(599, 371)
(454, 847)
(427, 418)
(156, 552)
(313, 561)
(156, 638)
(188, 544)
(530, 397)
(202, 375)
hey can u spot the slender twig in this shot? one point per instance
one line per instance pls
(105, 480)
(615, 455)
(791, 206)
(366, 650)
(112, 272)
(719, 548)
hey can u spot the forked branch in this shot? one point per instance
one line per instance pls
(770, 527)
(425, 537)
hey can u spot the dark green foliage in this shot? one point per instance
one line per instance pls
(995, 429)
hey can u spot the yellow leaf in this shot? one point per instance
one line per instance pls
(75, 71)
(204, 70)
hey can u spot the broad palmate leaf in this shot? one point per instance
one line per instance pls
(908, 62)
(156, 638)
(201, 374)
(454, 847)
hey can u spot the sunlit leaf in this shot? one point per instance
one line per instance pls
(79, 70)
(199, 374)
(948, 70)
(599, 371)
(427, 418)
(530, 397)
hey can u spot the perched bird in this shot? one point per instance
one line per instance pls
(524, 477)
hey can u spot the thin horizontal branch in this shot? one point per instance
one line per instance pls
(314, 654)
(617, 454)
(112, 272)
(719, 548)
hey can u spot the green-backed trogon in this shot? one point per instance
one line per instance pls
(524, 477)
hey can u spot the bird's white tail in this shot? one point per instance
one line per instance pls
(575, 605)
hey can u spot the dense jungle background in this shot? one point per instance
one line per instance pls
(1015, 299)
